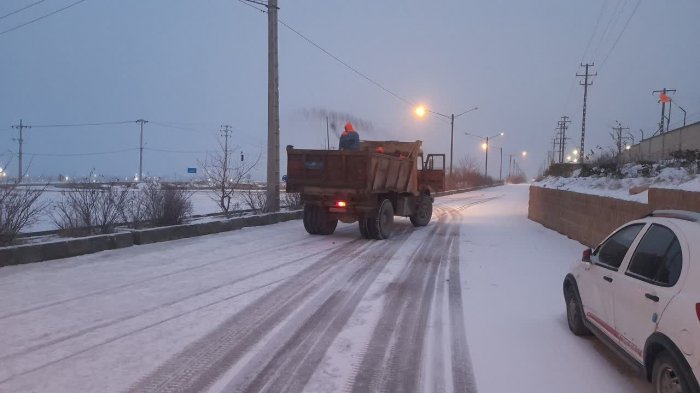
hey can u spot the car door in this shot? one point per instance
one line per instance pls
(650, 281)
(595, 282)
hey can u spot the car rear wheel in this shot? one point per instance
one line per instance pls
(668, 375)
(574, 314)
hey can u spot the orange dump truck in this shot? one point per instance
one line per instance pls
(371, 185)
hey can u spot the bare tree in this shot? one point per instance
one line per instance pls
(256, 200)
(292, 200)
(467, 174)
(88, 208)
(19, 207)
(225, 177)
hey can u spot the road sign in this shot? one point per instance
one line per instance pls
(191, 170)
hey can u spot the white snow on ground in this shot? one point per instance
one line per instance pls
(101, 322)
(202, 203)
(677, 178)
(515, 315)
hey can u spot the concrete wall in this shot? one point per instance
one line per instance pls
(660, 147)
(590, 218)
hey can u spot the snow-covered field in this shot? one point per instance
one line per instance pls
(471, 302)
(627, 188)
(202, 203)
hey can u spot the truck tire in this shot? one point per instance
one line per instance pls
(364, 231)
(310, 214)
(381, 225)
(325, 223)
(424, 211)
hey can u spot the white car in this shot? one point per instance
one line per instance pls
(639, 292)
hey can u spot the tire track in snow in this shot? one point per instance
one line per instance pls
(284, 247)
(140, 313)
(291, 366)
(463, 379)
(203, 361)
(346, 249)
(393, 361)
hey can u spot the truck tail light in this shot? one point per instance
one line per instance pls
(586, 255)
(341, 204)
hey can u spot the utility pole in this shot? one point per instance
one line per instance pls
(585, 85)
(618, 136)
(452, 139)
(486, 167)
(226, 133)
(662, 99)
(273, 111)
(328, 136)
(21, 128)
(141, 122)
(510, 165)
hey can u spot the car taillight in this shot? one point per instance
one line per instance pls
(697, 310)
(341, 204)
(586, 255)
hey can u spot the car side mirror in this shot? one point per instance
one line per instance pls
(586, 255)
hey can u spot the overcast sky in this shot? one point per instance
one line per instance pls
(189, 66)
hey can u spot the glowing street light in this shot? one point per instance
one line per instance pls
(421, 111)
(524, 154)
(575, 152)
(628, 147)
(485, 146)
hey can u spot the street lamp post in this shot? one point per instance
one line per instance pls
(485, 146)
(421, 111)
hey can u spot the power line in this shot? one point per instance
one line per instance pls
(595, 29)
(379, 85)
(42, 17)
(106, 123)
(80, 154)
(634, 11)
(334, 57)
(22, 9)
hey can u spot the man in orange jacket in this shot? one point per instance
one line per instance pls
(349, 139)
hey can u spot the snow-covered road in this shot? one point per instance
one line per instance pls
(471, 302)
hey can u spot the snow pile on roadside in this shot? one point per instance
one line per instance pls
(632, 187)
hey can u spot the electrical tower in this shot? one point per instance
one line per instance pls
(21, 128)
(663, 99)
(617, 137)
(563, 125)
(141, 122)
(585, 85)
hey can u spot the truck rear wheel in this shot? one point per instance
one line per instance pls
(362, 223)
(325, 223)
(310, 214)
(380, 226)
(424, 211)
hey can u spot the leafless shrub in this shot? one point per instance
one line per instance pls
(467, 174)
(256, 200)
(292, 200)
(162, 204)
(19, 207)
(87, 208)
(225, 177)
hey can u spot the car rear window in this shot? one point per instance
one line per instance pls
(658, 258)
(613, 251)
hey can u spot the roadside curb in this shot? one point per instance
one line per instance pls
(65, 248)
